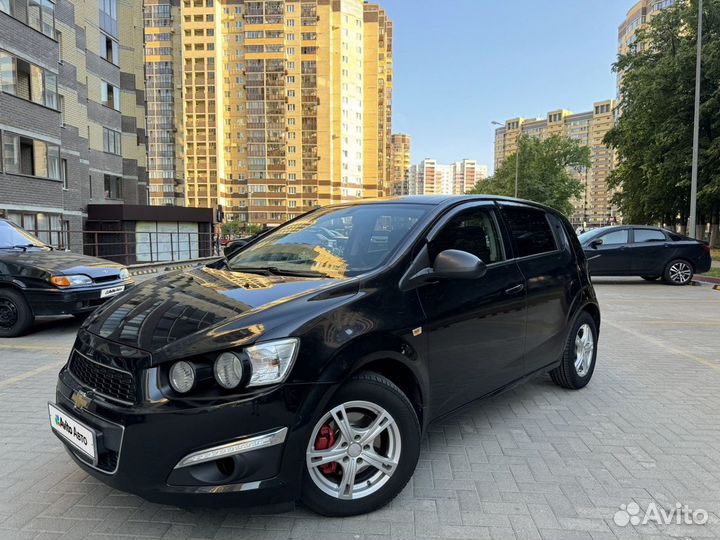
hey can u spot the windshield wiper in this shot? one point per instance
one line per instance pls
(275, 271)
(24, 247)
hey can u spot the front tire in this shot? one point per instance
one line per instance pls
(678, 272)
(16, 316)
(362, 450)
(578, 361)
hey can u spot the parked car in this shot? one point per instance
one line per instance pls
(37, 280)
(309, 365)
(648, 252)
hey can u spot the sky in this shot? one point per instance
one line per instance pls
(461, 64)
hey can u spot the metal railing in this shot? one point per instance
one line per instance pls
(135, 247)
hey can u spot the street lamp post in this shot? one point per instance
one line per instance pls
(696, 135)
(517, 158)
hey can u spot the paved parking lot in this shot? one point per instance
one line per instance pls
(537, 462)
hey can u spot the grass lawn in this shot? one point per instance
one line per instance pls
(715, 253)
(714, 272)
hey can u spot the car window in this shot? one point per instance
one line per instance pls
(530, 230)
(615, 237)
(649, 235)
(12, 235)
(336, 242)
(473, 230)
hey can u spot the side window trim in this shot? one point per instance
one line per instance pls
(501, 205)
(490, 207)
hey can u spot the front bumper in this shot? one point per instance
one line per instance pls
(139, 447)
(52, 301)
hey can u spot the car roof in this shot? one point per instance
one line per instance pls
(443, 200)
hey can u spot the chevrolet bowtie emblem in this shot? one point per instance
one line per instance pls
(80, 399)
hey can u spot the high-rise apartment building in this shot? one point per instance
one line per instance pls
(400, 156)
(638, 15)
(163, 102)
(467, 173)
(589, 129)
(432, 178)
(72, 111)
(287, 104)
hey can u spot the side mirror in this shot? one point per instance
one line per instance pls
(595, 243)
(449, 264)
(456, 264)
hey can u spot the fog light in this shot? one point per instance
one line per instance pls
(228, 370)
(182, 377)
(233, 448)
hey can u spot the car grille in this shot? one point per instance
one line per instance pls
(109, 382)
(106, 279)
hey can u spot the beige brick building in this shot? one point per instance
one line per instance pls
(287, 104)
(400, 156)
(588, 128)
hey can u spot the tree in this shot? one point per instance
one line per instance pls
(654, 134)
(238, 228)
(544, 172)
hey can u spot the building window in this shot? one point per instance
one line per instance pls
(39, 14)
(61, 104)
(108, 16)
(64, 173)
(109, 49)
(31, 157)
(110, 95)
(112, 141)
(113, 187)
(27, 81)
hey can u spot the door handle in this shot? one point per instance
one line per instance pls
(515, 289)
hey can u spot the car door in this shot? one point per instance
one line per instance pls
(650, 251)
(547, 262)
(613, 256)
(474, 328)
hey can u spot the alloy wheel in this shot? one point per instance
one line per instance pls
(680, 272)
(8, 313)
(584, 349)
(354, 450)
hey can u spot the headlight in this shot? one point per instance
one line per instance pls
(182, 377)
(124, 273)
(271, 361)
(228, 370)
(71, 281)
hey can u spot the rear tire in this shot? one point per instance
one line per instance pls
(16, 316)
(678, 272)
(650, 278)
(578, 360)
(363, 449)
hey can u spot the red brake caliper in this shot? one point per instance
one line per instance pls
(325, 440)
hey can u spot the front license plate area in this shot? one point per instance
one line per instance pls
(77, 434)
(112, 291)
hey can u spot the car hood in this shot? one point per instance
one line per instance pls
(58, 263)
(182, 306)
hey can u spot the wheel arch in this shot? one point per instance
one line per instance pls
(387, 355)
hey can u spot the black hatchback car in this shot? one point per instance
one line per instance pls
(37, 280)
(308, 365)
(649, 252)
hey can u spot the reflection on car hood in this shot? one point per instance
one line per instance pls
(57, 262)
(165, 310)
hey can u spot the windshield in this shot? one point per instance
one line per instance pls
(334, 242)
(12, 236)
